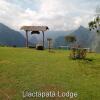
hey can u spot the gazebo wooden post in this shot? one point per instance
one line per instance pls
(43, 39)
(26, 38)
(49, 43)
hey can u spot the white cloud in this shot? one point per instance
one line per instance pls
(77, 20)
(57, 14)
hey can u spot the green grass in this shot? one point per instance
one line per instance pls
(26, 69)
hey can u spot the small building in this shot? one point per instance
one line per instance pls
(64, 47)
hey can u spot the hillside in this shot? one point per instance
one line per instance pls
(10, 37)
(87, 38)
(56, 34)
(27, 69)
(83, 35)
(60, 41)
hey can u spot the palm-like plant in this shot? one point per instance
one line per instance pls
(70, 38)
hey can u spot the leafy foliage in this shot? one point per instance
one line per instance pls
(95, 24)
(70, 38)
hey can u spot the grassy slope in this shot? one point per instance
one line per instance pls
(22, 69)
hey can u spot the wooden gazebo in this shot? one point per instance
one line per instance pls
(34, 30)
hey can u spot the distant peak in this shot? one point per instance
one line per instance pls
(81, 26)
(2, 24)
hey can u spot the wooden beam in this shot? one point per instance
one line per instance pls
(49, 43)
(26, 38)
(43, 39)
(34, 28)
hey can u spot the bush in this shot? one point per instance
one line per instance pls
(78, 53)
(40, 47)
(30, 46)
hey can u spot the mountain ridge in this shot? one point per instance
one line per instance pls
(11, 37)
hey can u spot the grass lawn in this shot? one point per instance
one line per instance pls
(27, 69)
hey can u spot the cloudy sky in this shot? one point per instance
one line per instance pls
(57, 14)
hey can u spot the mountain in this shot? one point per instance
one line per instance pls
(10, 37)
(83, 36)
(56, 34)
(87, 38)
(60, 41)
(58, 37)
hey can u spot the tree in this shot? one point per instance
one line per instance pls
(95, 23)
(70, 38)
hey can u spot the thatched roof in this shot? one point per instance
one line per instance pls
(34, 28)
